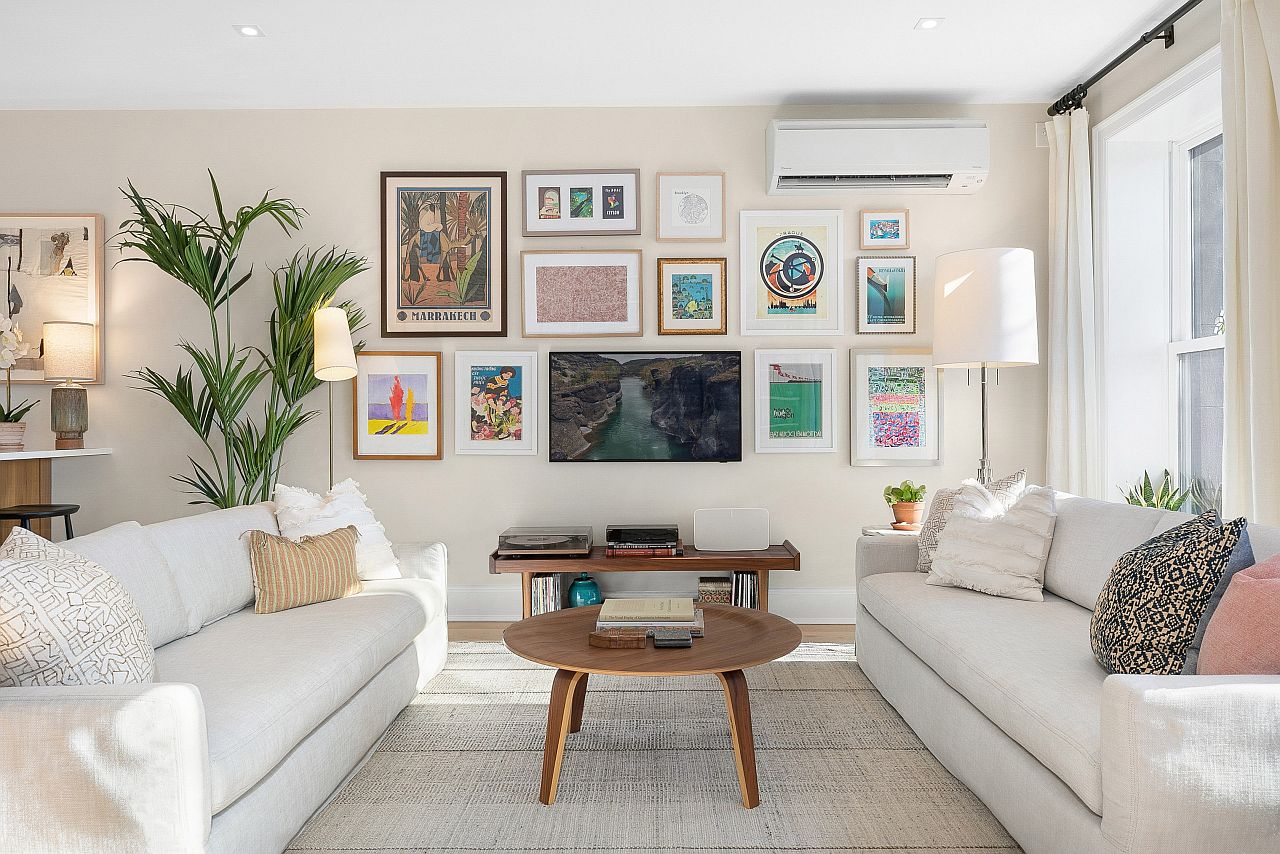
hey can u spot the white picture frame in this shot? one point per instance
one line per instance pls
(909, 385)
(611, 196)
(884, 229)
(690, 207)
(581, 294)
(783, 380)
(482, 394)
(795, 253)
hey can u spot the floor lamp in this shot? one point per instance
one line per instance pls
(984, 316)
(334, 357)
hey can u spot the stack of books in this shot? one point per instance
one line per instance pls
(651, 614)
(745, 590)
(548, 593)
(715, 590)
(643, 541)
(675, 548)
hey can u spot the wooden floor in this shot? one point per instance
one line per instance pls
(474, 631)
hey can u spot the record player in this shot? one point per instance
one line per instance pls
(549, 542)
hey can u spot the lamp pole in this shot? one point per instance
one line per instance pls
(984, 463)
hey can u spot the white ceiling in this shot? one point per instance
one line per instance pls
(156, 54)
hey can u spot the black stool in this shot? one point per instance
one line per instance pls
(24, 513)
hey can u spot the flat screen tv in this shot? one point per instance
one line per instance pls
(645, 406)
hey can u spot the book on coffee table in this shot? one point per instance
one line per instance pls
(650, 611)
(697, 625)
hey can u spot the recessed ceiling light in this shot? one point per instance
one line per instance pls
(249, 31)
(929, 23)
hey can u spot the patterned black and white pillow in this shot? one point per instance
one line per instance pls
(1006, 490)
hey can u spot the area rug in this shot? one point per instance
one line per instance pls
(652, 769)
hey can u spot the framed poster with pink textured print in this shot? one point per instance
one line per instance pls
(590, 294)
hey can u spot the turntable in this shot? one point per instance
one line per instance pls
(549, 542)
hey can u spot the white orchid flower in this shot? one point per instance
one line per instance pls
(6, 360)
(9, 341)
(5, 324)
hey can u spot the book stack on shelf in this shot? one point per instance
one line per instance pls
(643, 541)
(547, 594)
(745, 590)
(650, 615)
(715, 590)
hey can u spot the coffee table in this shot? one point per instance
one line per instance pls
(736, 638)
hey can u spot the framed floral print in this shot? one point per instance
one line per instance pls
(690, 206)
(791, 272)
(495, 403)
(396, 412)
(691, 296)
(582, 294)
(580, 203)
(896, 408)
(795, 401)
(886, 296)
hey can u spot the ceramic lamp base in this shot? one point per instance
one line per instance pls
(69, 415)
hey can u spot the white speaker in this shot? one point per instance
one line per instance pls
(731, 529)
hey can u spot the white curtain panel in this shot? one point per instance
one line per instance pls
(1075, 434)
(1251, 130)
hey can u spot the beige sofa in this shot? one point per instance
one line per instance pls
(253, 720)
(1007, 695)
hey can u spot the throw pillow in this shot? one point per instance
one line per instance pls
(300, 513)
(1007, 489)
(1241, 558)
(288, 574)
(994, 550)
(1244, 635)
(64, 620)
(1147, 612)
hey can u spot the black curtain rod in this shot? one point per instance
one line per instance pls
(1162, 31)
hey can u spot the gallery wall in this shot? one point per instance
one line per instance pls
(329, 161)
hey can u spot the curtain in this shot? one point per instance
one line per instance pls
(1251, 138)
(1075, 433)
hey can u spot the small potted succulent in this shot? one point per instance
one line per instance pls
(907, 501)
(12, 348)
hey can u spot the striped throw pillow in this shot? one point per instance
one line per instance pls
(288, 574)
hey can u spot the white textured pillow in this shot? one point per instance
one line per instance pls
(64, 620)
(1007, 489)
(300, 513)
(987, 548)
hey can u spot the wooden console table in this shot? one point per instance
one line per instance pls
(777, 557)
(26, 478)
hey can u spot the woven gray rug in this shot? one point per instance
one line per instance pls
(652, 769)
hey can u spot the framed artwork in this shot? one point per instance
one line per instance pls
(444, 250)
(645, 406)
(691, 296)
(580, 294)
(495, 403)
(396, 412)
(791, 262)
(895, 407)
(581, 203)
(885, 230)
(795, 401)
(886, 295)
(690, 206)
(51, 266)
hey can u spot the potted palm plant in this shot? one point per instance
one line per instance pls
(12, 348)
(907, 501)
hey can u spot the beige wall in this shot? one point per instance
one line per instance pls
(329, 162)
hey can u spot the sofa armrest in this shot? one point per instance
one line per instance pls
(1191, 763)
(874, 555)
(107, 768)
(423, 560)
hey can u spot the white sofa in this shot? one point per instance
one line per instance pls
(1007, 695)
(253, 720)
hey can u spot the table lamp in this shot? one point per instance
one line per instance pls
(69, 356)
(334, 357)
(984, 316)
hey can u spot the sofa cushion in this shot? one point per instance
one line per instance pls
(1027, 666)
(209, 557)
(127, 552)
(267, 680)
(289, 574)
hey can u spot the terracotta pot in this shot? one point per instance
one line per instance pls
(908, 512)
(11, 433)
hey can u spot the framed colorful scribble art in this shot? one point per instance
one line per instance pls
(444, 247)
(691, 296)
(791, 270)
(495, 403)
(896, 407)
(396, 399)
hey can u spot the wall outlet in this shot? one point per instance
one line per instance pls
(1042, 135)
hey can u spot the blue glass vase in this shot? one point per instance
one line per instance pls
(584, 591)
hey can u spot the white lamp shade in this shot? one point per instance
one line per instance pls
(69, 351)
(984, 309)
(335, 357)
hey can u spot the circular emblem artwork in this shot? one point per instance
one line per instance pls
(694, 209)
(791, 267)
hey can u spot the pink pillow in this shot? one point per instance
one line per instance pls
(1243, 635)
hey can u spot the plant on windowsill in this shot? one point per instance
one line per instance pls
(12, 348)
(1162, 494)
(907, 501)
(212, 393)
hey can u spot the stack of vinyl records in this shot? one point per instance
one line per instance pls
(548, 593)
(746, 589)
(715, 590)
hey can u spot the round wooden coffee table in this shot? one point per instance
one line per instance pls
(736, 638)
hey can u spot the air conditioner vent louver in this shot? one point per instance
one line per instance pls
(856, 182)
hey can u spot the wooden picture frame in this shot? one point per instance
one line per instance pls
(904, 427)
(784, 394)
(483, 402)
(690, 207)
(886, 295)
(423, 261)
(32, 245)
(875, 226)
(389, 441)
(556, 302)
(711, 280)
(587, 202)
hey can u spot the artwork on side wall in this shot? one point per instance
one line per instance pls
(496, 403)
(896, 408)
(396, 399)
(791, 272)
(690, 206)
(886, 295)
(691, 296)
(580, 294)
(885, 230)
(795, 401)
(581, 203)
(51, 268)
(444, 248)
